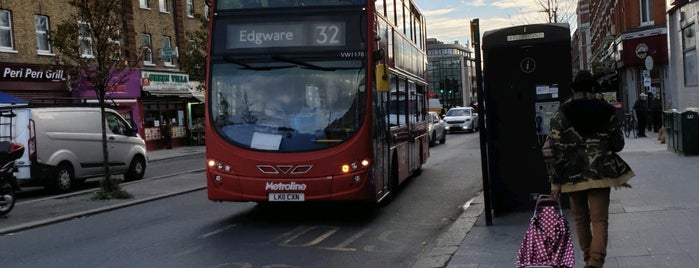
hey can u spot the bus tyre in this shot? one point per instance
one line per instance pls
(137, 168)
(63, 180)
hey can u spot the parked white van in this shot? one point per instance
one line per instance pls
(64, 146)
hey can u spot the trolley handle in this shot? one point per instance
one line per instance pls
(545, 198)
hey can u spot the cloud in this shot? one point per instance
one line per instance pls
(476, 3)
(437, 12)
(453, 23)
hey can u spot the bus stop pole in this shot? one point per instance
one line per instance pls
(476, 41)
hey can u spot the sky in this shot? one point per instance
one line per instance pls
(450, 20)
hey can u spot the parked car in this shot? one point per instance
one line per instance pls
(64, 146)
(437, 129)
(461, 119)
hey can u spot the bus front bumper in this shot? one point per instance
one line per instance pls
(346, 187)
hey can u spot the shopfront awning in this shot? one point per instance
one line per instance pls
(193, 97)
(169, 93)
(9, 100)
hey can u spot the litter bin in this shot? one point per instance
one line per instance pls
(669, 124)
(689, 132)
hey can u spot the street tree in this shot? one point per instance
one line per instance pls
(193, 60)
(556, 11)
(93, 48)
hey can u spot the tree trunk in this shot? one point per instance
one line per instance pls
(106, 185)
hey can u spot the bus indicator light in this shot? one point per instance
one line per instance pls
(345, 168)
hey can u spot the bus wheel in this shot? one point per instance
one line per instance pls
(393, 183)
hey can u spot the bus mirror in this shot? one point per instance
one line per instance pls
(381, 78)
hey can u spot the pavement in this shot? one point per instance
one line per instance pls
(654, 224)
(42, 211)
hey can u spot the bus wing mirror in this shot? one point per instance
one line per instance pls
(381, 77)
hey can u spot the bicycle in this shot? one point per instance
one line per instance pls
(630, 125)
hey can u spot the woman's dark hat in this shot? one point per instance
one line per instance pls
(584, 82)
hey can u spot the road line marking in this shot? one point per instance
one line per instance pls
(217, 231)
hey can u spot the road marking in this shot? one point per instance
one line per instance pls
(318, 239)
(217, 231)
(343, 246)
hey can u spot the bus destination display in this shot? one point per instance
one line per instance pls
(293, 34)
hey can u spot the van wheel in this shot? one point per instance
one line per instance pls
(64, 179)
(137, 168)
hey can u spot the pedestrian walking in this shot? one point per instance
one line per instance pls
(641, 109)
(655, 112)
(585, 138)
(166, 132)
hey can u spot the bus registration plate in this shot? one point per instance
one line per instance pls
(286, 197)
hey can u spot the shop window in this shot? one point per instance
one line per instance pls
(646, 12)
(41, 27)
(163, 6)
(85, 39)
(689, 55)
(6, 35)
(167, 53)
(190, 9)
(147, 49)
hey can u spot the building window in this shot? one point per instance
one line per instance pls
(147, 49)
(689, 56)
(85, 40)
(167, 52)
(41, 27)
(646, 12)
(144, 4)
(163, 6)
(206, 11)
(190, 9)
(6, 42)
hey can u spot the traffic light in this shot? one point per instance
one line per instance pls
(450, 91)
(441, 91)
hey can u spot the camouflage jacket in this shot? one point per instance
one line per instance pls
(585, 138)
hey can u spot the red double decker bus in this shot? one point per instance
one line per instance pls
(314, 100)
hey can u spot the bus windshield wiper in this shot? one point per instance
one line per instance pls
(254, 68)
(307, 65)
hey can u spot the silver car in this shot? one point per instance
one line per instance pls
(461, 119)
(437, 129)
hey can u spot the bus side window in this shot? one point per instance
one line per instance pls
(251, 3)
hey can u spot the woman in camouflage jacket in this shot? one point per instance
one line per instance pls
(584, 140)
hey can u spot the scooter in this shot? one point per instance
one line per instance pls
(9, 152)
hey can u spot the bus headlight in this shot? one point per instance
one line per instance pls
(218, 165)
(346, 168)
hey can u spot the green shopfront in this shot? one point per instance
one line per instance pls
(165, 100)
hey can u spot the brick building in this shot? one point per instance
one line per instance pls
(628, 45)
(158, 91)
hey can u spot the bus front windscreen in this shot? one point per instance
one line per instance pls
(287, 105)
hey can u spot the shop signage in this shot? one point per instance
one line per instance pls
(152, 81)
(31, 73)
(641, 50)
